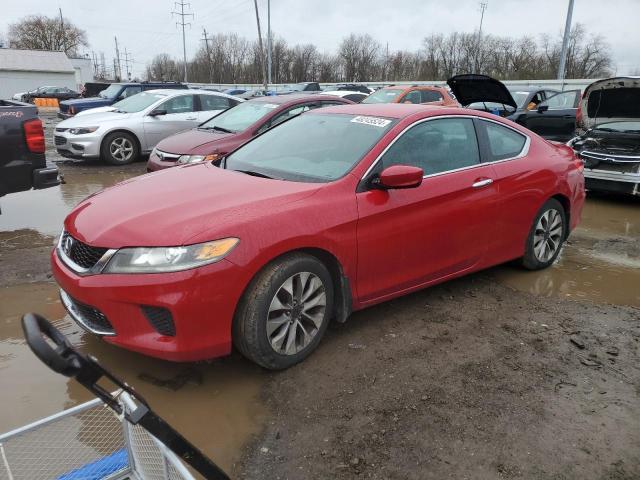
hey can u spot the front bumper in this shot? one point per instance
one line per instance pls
(78, 146)
(202, 303)
(611, 181)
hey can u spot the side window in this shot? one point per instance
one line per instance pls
(503, 142)
(129, 91)
(214, 102)
(180, 104)
(436, 146)
(430, 96)
(355, 97)
(563, 100)
(412, 97)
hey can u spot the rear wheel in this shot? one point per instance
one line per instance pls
(120, 148)
(285, 311)
(546, 237)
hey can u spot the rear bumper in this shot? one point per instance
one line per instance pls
(45, 178)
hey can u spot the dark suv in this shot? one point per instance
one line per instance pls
(110, 95)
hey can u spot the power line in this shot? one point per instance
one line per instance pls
(182, 23)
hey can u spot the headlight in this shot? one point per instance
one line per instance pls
(169, 259)
(198, 158)
(82, 130)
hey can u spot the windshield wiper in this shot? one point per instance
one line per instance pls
(220, 129)
(254, 174)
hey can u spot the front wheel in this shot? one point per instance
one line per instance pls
(546, 236)
(120, 148)
(285, 312)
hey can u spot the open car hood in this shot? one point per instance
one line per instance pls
(611, 99)
(471, 88)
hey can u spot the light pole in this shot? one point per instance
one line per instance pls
(565, 44)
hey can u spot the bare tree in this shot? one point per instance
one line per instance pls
(38, 32)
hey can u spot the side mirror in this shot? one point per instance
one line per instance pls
(157, 113)
(398, 177)
(121, 97)
(543, 108)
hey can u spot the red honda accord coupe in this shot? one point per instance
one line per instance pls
(333, 211)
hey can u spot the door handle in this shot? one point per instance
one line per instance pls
(192, 118)
(482, 183)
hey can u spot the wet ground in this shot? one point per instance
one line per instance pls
(503, 374)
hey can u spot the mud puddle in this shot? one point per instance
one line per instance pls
(45, 210)
(213, 404)
(600, 263)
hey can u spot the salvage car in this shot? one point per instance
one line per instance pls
(224, 133)
(112, 94)
(608, 135)
(553, 118)
(135, 125)
(413, 94)
(332, 211)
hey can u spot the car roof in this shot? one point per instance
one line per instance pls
(405, 88)
(293, 98)
(389, 110)
(343, 93)
(188, 91)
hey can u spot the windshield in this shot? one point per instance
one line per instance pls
(623, 127)
(240, 117)
(386, 95)
(310, 147)
(519, 97)
(137, 103)
(111, 91)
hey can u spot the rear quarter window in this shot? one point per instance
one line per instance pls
(502, 142)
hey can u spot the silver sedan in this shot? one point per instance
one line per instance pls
(121, 133)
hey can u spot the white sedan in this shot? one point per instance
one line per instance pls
(354, 96)
(132, 127)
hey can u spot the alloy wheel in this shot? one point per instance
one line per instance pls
(547, 237)
(121, 149)
(296, 313)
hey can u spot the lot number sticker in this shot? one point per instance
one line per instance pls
(374, 121)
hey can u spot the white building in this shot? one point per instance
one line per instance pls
(24, 70)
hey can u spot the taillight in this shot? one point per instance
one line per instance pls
(34, 135)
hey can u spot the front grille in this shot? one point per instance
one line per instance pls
(58, 140)
(160, 318)
(609, 157)
(61, 129)
(92, 317)
(80, 253)
(167, 157)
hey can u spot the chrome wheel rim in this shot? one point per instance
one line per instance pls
(548, 235)
(121, 148)
(296, 313)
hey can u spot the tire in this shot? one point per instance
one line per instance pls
(546, 237)
(277, 338)
(119, 148)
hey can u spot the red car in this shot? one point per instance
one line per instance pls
(227, 131)
(335, 210)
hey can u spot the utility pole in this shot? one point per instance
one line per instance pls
(182, 23)
(269, 41)
(115, 70)
(262, 62)
(117, 73)
(127, 62)
(483, 7)
(205, 38)
(565, 44)
(64, 43)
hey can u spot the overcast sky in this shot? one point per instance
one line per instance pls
(146, 27)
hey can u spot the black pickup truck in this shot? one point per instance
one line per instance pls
(22, 161)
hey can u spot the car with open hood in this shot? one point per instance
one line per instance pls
(121, 133)
(608, 135)
(224, 133)
(332, 211)
(547, 112)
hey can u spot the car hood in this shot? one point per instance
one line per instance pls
(185, 142)
(96, 101)
(180, 206)
(91, 111)
(471, 88)
(611, 99)
(93, 119)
